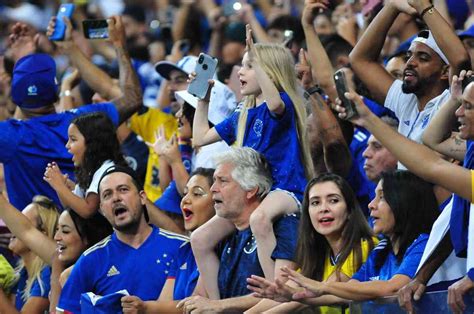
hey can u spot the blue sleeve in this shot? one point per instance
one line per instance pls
(42, 290)
(79, 281)
(285, 230)
(9, 140)
(227, 129)
(412, 257)
(363, 274)
(107, 108)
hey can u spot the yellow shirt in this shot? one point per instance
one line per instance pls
(145, 124)
(348, 268)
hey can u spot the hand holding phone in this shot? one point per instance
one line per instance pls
(205, 69)
(342, 88)
(65, 10)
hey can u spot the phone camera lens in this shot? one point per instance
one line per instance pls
(201, 59)
(204, 66)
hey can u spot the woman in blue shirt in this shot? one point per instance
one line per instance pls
(404, 210)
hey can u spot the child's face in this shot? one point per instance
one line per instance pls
(248, 79)
(76, 144)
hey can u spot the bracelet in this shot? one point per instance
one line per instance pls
(66, 93)
(314, 89)
(427, 10)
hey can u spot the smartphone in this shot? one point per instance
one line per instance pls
(95, 29)
(230, 7)
(341, 88)
(205, 69)
(65, 10)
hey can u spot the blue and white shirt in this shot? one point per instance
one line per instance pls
(112, 265)
(391, 266)
(239, 259)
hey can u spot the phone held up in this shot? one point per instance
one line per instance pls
(65, 10)
(231, 7)
(341, 88)
(205, 69)
(95, 29)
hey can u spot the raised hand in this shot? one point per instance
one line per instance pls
(419, 5)
(67, 42)
(363, 112)
(310, 10)
(402, 6)
(303, 70)
(54, 176)
(249, 44)
(456, 84)
(22, 41)
(116, 31)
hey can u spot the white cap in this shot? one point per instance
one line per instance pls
(221, 105)
(425, 37)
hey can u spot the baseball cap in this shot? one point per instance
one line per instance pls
(34, 83)
(467, 33)
(185, 65)
(221, 105)
(425, 37)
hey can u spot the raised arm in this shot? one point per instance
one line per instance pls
(321, 65)
(365, 55)
(438, 135)
(202, 134)
(24, 230)
(269, 91)
(90, 73)
(445, 37)
(418, 158)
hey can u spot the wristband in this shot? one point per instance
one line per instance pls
(427, 10)
(310, 91)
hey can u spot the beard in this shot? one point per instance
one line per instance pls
(411, 88)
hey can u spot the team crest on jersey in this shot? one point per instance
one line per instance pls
(258, 127)
(251, 246)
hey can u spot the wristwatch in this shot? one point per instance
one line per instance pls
(310, 91)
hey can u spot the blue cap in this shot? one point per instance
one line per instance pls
(170, 200)
(467, 33)
(34, 83)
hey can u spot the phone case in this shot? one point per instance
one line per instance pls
(66, 9)
(95, 29)
(228, 8)
(341, 88)
(205, 69)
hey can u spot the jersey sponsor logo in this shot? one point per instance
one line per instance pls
(251, 246)
(113, 271)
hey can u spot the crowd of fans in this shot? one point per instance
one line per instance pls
(123, 192)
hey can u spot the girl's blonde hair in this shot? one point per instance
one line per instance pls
(47, 222)
(278, 64)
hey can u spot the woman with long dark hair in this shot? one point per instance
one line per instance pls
(404, 210)
(334, 240)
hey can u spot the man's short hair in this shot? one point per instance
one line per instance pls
(251, 169)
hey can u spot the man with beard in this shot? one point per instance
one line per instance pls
(426, 74)
(136, 257)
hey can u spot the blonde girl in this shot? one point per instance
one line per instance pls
(271, 120)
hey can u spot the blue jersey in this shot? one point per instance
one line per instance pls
(26, 147)
(111, 265)
(391, 267)
(185, 272)
(239, 257)
(275, 137)
(38, 289)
